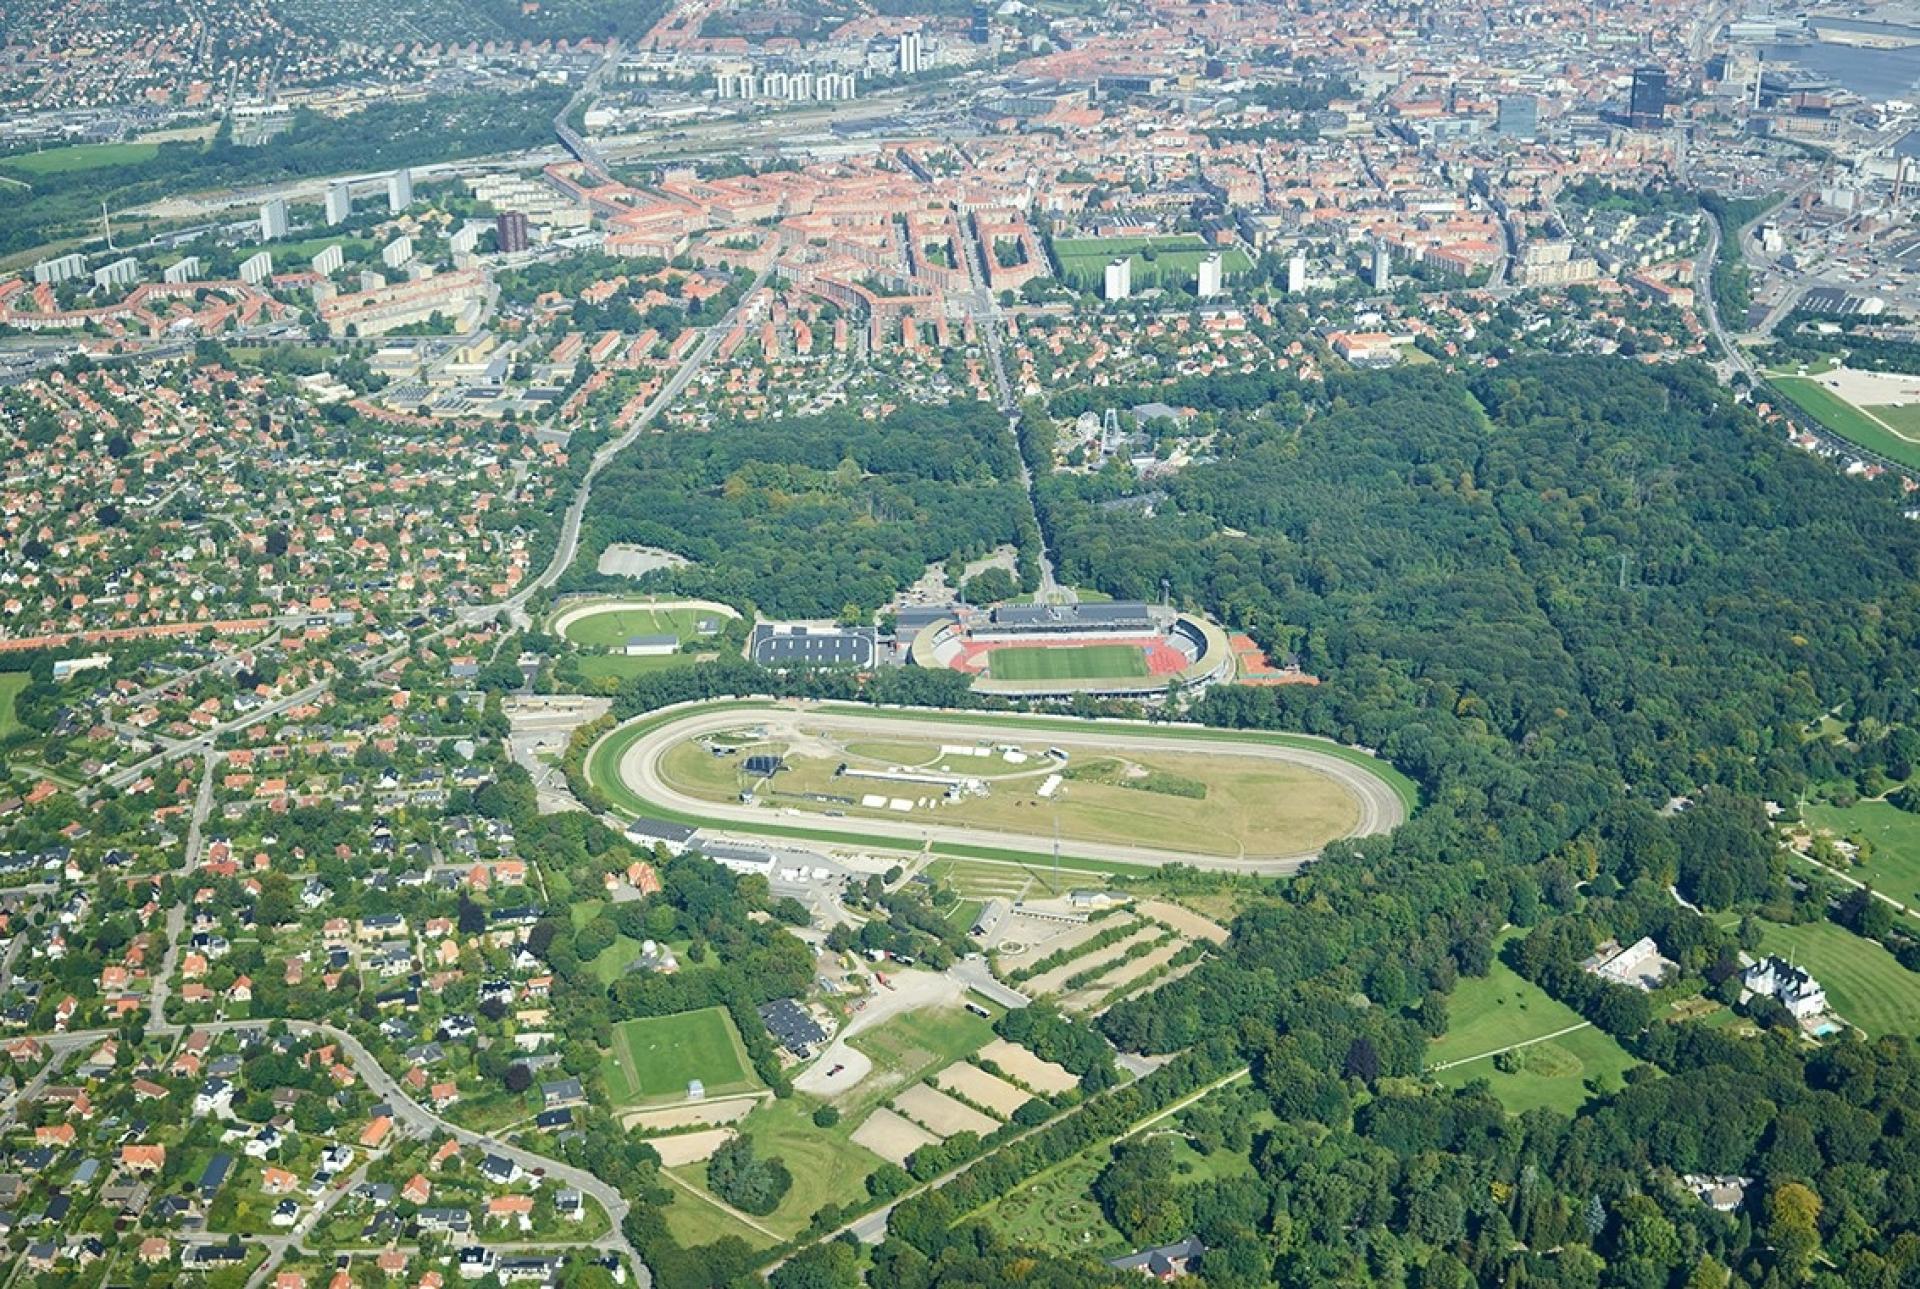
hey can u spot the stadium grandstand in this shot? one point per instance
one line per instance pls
(1116, 650)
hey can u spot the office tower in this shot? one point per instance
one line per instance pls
(1212, 272)
(510, 230)
(339, 202)
(399, 190)
(1647, 108)
(1297, 274)
(912, 54)
(1118, 283)
(1519, 117)
(273, 219)
(1382, 267)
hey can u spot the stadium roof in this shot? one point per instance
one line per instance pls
(779, 645)
(1120, 613)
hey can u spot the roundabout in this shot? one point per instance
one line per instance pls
(1007, 784)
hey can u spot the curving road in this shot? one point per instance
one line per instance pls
(1380, 807)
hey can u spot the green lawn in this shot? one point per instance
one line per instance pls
(1864, 982)
(1176, 259)
(1904, 417)
(1074, 662)
(1556, 1074)
(1846, 420)
(613, 960)
(1895, 835)
(612, 626)
(652, 1059)
(598, 666)
(1486, 1013)
(11, 683)
(90, 156)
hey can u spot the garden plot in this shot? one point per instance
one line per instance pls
(1123, 975)
(981, 1088)
(1185, 921)
(892, 1136)
(1052, 982)
(1019, 1063)
(941, 1114)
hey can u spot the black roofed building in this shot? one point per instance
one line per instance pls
(791, 1027)
(782, 645)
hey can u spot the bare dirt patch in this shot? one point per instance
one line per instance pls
(730, 1110)
(981, 1088)
(892, 1136)
(912, 990)
(939, 1113)
(1017, 1061)
(689, 1147)
(1185, 921)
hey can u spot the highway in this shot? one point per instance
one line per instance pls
(1380, 807)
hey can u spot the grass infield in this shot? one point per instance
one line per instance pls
(1067, 662)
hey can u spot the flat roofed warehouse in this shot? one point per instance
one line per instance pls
(786, 645)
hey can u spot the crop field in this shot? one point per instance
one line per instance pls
(652, 1059)
(1174, 800)
(1175, 259)
(1864, 982)
(1895, 835)
(1074, 662)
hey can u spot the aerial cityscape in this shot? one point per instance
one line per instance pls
(918, 644)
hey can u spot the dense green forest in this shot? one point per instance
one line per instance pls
(808, 516)
(1558, 594)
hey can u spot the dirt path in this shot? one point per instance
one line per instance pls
(912, 991)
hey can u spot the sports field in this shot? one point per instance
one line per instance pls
(1068, 662)
(1849, 422)
(653, 1058)
(1864, 982)
(89, 156)
(613, 626)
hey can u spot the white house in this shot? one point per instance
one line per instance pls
(1796, 990)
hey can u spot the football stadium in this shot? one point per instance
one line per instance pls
(1117, 650)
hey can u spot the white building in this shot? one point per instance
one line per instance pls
(1297, 274)
(329, 261)
(1118, 281)
(1212, 274)
(912, 55)
(399, 190)
(122, 272)
(397, 253)
(1382, 267)
(62, 268)
(273, 219)
(339, 202)
(183, 270)
(256, 269)
(1795, 989)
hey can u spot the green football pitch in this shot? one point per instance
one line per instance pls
(653, 1058)
(1067, 662)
